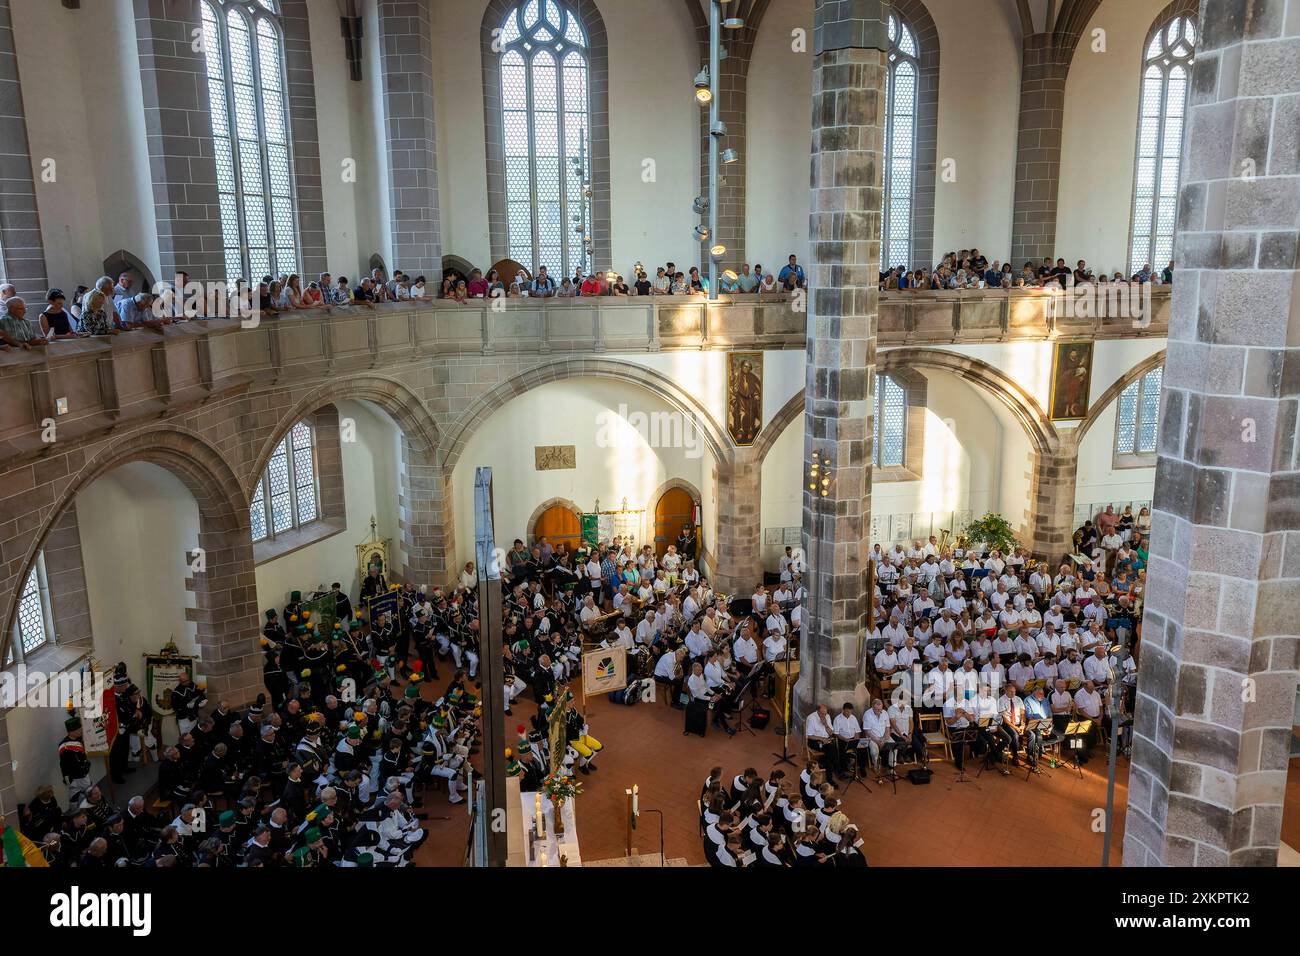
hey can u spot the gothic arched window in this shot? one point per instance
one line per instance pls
(546, 135)
(248, 98)
(900, 144)
(286, 495)
(1166, 75)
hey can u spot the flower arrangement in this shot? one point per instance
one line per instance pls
(559, 787)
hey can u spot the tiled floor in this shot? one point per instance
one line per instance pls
(992, 821)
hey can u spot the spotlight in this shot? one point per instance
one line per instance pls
(733, 23)
(718, 250)
(729, 156)
(701, 205)
(719, 128)
(702, 92)
(701, 232)
(730, 275)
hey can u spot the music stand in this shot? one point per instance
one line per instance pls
(885, 772)
(1075, 731)
(857, 770)
(983, 724)
(1043, 725)
(962, 737)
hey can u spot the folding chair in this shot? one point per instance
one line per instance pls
(936, 735)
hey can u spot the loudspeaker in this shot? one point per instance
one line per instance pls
(919, 776)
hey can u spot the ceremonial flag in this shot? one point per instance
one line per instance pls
(17, 850)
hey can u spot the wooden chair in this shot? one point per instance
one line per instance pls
(935, 731)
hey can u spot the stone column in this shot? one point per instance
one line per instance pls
(1049, 515)
(850, 48)
(20, 224)
(737, 550)
(1044, 65)
(425, 516)
(1219, 637)
(301, 82)
(406, 51)
(178, 126)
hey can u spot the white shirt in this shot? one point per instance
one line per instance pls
(745, 650)
(886, 659)
(697, 643)
(875, 724)
(900, 717)
(667, 665)
(773, 646)
(815, 727)
(846, 725)
(1089, 704)
(699, 686)
(1097, 669)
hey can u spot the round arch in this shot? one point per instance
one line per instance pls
(225, 590)
(546, 506)
(1113, 393)
(418, 428)
(481, 409)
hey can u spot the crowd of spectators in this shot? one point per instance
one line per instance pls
(971, 269)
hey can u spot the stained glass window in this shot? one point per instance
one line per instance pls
(1166, 71)
(890, 428)
(1137, 415)
(546, 130)
(250, 137)
(900, 145)
(286, 497)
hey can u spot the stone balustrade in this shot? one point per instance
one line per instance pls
(84, 386)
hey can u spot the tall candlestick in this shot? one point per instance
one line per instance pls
(635, 792)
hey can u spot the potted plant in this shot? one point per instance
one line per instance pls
(990, 532)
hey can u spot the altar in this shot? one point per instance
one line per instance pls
(523, 847)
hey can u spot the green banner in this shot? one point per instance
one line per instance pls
(591, 531)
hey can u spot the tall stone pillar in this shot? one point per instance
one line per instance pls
(21, 245)
(1049, 516)
(850, 49)
(1044, 65)
(178, 125)
(425, 517)
(738, 552)
(406, 51)
(1219, 637)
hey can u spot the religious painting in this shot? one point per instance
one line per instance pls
(555, 457)
(1071, 381)
(744, 396)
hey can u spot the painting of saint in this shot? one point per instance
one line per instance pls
(1071, 380)
(744, 396)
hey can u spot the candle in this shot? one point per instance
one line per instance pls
(543, 858)
(635, 791)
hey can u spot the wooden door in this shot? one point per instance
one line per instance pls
(560, 526)
(675, 509)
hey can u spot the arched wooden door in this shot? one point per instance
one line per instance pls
(675, 509)
(559, 525)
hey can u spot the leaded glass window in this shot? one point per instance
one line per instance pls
(546, 130)
(31, 613)
(1137, 415)
(286, 496)
(248, 98)
(1166, 71)
(890, 428)
(900, 145)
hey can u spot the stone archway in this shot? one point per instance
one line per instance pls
(123, 261)
(425, 508)
(225, 613)
(481, 409)
(1113, 393)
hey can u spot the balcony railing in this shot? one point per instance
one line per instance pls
(87, 385)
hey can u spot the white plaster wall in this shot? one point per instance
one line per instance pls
(458, 111)
(979, 96)
(84, 105)
(334, 96)
(613, 461)
(370, 487)
(34, 735)
(1098, 481)
(138, 525)
(1100, 136)
(779, 136)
